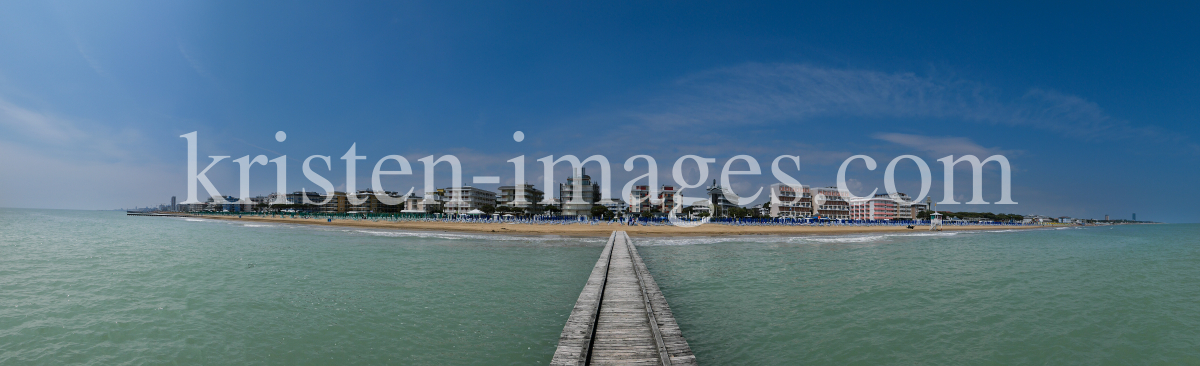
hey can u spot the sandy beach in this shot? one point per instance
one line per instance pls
(604, 229)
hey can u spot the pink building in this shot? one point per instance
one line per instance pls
(880, 207)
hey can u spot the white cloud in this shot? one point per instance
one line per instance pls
(91, 61)
(196, 65)
(760, 109)
(46, 133)
(759, 94)
(36, 125)
(939, 146)
(49, 161)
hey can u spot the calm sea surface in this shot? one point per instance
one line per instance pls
(103, 288)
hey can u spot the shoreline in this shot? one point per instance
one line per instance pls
(604, 229)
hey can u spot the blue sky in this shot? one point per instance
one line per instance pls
(1094, 105)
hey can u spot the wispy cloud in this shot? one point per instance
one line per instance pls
(91, 61)
(755, 94)
(195, 63)
(35, 125)
(43, 157)
(44, 131)
(939, 146)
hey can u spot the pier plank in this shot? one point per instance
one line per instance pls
(621, 317)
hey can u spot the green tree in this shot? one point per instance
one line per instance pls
(488, 209)
(738, 212)
(600, 211)
(976, 215)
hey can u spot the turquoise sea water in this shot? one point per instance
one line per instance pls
(1127, 295)
(103, 288)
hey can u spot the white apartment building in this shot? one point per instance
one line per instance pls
(617, 207)
(589, 194)
(640, 200)
(467, 198)
(701, 207)
(508, 196)
(716, 196)
(910, 211)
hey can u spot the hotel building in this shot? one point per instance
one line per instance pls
(716, 196)
(791, 204)
(880, 207)
(508, 196)
(639, 199)
(835, 206)
(700, 208)
(418, 204)
(910, 211)
(467, 198)
(617, 207)
(337, 203)
(589, 194)
(372, 204)
(806, 203)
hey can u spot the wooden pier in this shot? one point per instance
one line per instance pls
(621, 318)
